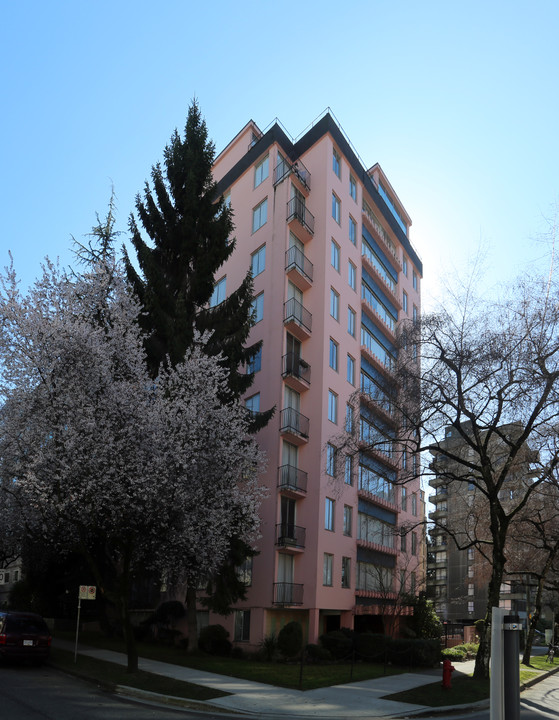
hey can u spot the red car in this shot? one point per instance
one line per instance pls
(24, 636)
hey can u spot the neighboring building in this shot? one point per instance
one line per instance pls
(334, 275)
(10, 574)
(457, 579)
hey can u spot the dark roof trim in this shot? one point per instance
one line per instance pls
(325, 125)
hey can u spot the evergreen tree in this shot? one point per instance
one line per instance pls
(190, 229)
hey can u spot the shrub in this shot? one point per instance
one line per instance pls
(214, 640)
(290, 639)
(317, 653)
(371, 647)
(269, 647)
(455, 654)
(338, 643)
(418, 652)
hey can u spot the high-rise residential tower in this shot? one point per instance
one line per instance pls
(334, 276)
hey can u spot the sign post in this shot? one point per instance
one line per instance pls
(85, 592)
(504, 701)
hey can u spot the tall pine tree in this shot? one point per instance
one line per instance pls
(190, 229)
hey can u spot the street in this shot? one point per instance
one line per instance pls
(31, 693)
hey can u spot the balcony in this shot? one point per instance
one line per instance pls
(292, 481)
(298, 171)
(288, 594)
(294, 426)
(297, 319)
(298, 213)
(296, 372)
(299, 268)
(290, 537)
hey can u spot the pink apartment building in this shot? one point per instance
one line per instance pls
(334, 274)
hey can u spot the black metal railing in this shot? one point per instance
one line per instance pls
(288, 593)
(293, 421)
(284, 168)
(295, 258)
(291, 478)
(294, 311)
(289, 535)
(297, 209)
(293, 365)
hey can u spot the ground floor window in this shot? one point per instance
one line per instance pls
(242, 625)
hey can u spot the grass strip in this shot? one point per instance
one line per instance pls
(464, 690)
(109, 675)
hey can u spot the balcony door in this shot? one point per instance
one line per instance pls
(287, 521)
(285, 578)
(293, 353)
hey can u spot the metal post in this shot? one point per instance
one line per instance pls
(511, 666)
(496, 704)
(77, 629)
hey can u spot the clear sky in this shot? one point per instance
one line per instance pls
(458, 101)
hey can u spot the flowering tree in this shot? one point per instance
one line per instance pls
(98, 457)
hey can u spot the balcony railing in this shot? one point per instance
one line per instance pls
(293, 421)
(283, 168)
(293, 365)
(296, 209)
(289, 535)
(291, 478)
(293, 311)
(296, 259)
(288, 594)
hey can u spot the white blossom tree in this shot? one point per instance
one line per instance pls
(98, 457)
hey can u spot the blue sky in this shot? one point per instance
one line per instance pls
(457, 101)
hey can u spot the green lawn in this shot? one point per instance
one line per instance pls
(272, 673)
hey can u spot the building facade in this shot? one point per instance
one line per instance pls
(457, 579)
(334, 276)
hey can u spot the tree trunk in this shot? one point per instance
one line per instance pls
(191, 618)
(129, 638)
(535, 615)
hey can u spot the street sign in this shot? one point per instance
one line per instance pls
(87, 592)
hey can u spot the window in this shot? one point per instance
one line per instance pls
(405, 459)
(353, 187)
(332, 406)
(414, 543)
(414, 504)
(352, 230)
(244, 572)
(255, 365)
(327, 570)
(333, 355)
(348, 517)
(346, 571)
(404, 499)
(414, 280)
(335, 255)
(351, 321)
(403, 543)
(330, 459)
(415, 314)
(470, 606)
(336, 208)
(405, 302)
(350, 370)
(329, 514)
(218, 295)
(348, 418)
(242, 625)
(227, 199)
(253, 403)
(334, 304)
(412, 583)
(261, 171)
(260, 215)
(405, 265)
(258, 308)
(348, 470)
(470, 588)
(336, 163)
(258, 261)
(402, 580)
(351, 275)
(470, 553)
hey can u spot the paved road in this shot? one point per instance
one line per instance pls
(30, 693)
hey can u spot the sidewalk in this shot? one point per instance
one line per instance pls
(362, 700)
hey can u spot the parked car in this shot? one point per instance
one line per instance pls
(23, 636)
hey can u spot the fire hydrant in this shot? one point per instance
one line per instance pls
(448, 669)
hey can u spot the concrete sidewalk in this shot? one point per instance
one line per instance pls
(362, 700)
